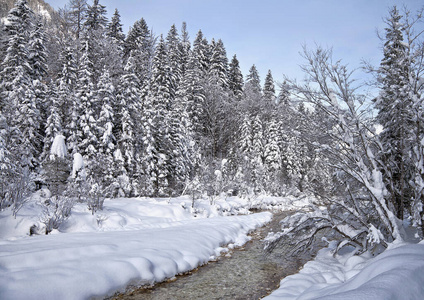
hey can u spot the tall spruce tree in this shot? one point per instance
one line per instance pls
(269, 88)
(96, 16)
(174, 54)
(19, 99)
(235, 78)
(128, 101)
(394, 112)
(185, 48)
(252, 88)
(114, 29)
(87, 127)
(219, 63)
(53, 126)
(201, 52)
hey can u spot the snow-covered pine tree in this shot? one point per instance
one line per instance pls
(18, 28)
(257, 153)
(128, 104)
(394, 107)
(182, 149)
(235, 78)
(71, 123)
(53, 126)
(137, 37)
(219, 63)
(38, 62)
(283, 98)
(272, 156)
(86, 126)
(18, 97)
(8, 164)
(141, 42)
(191, 92)
(242, 152)
(37, 50)
(216, 125)
(252, 89)
(174, 54)
(96, 16)
(185, 48)
(66, 85)
(105, 122)
(114, 29)
(201, 52)
(269, 88)
(101, 51)
(161, 94)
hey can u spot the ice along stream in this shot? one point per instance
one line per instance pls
(247, 273)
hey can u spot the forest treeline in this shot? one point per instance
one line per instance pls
(150, 115)
(158, 116)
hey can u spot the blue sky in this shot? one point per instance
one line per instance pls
(270, 33)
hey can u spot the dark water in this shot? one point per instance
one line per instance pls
(248, 273)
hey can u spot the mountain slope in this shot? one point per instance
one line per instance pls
(38, 6)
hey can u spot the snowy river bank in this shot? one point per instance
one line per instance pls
(248, 272)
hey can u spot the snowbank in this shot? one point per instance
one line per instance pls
(132, 241)
(397, 273)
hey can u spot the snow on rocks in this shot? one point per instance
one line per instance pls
(397, 273)
(132, 241)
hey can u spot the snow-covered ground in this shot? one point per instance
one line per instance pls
(142, 241)
(396, 274)
(132, 241)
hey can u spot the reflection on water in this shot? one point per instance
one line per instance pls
(249, 273)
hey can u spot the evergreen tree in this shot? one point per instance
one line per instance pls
(16, 62)
(185, 48)
(38, 51)
(136, 37)
(53, 125)
(257, 154)
(66, 85)
(86, 126)
(269, 88)
(235, 78)
(272, 155)
(105, 122)
(140, 44)
(252, 88)
(174, 54)
(38, 62)
(219, 63)
(7, 163)
(96, 16)
(191, 95)
(128, 105)
(284, 95)
(394, 111)
(161, 95)
(201, 52)
(114, 29)
(18, 96)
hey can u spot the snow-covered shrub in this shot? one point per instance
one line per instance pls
(19, 190)
(55, 211)
(95, 198)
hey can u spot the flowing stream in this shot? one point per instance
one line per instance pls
(244, 273)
